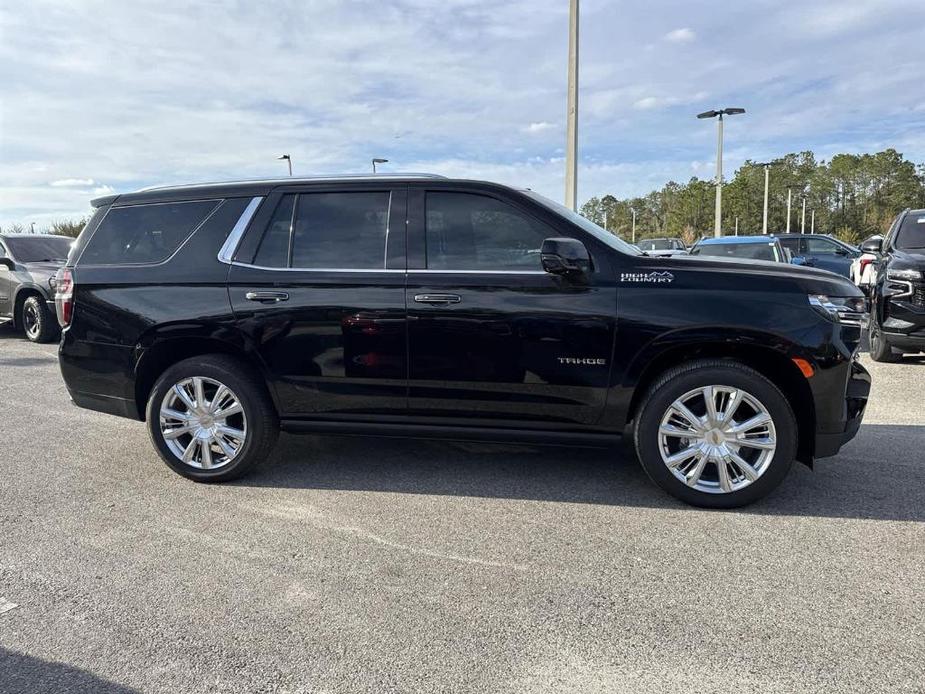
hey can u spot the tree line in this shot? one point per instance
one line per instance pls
(853, 196)
(64, 227)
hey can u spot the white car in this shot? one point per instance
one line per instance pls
(864, 268)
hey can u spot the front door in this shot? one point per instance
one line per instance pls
(318, 288)
(492, 338)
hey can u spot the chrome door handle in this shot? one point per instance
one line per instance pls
(267, 297)
(437, 298)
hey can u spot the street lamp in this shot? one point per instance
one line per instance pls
(634, 224)
(803, 218)
(767, 169)
(789, 199)
(718, 223)
(288, 161)
(377, 160)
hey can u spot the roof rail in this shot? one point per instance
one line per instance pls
(297, 179)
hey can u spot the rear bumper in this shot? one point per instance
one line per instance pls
(121, 407)
(828, 443)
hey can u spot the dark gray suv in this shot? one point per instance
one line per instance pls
(28, 263)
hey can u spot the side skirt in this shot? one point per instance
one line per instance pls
(450, 433)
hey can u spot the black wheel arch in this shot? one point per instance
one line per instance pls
(774, 364)
(155, 354)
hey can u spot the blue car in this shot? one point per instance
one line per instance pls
(766, 248)
(822, 251)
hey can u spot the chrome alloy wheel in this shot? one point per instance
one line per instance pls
(203, 423)
(30, 319)
(717, 439)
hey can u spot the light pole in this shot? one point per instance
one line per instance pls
(789, 197)
(764, 218)
(634, 224)
(571, 135)
(812, 228)
(718, 223)
(737, 226)
(803, 218)
(605, 220)
(288, 161)
(377, 160)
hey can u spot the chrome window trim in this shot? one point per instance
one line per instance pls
(481, 272)
(312, 269)
(228, 249)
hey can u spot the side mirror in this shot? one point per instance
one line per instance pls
(873, 245)
(564, 256)
(841, 251)
(8, 263)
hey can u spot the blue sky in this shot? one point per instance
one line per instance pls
(101, 96)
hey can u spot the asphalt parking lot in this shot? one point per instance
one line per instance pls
(370, 565)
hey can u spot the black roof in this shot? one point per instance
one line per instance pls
(243, 188)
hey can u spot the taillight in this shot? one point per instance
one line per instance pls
(64, 296)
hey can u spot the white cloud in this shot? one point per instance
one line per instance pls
(683, 35)
(539, 127)
(72, 183)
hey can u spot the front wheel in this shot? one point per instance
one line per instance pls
(716, 434)
(211, 419)
(880, 348)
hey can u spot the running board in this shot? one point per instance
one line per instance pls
(450, 433)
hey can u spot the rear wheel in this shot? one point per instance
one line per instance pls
(716, 434)
(880, 348)
(211, 419)
(36, 320)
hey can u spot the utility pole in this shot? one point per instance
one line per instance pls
(789, 196)
(571, 138)
(764, 224)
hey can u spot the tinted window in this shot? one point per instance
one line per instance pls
(38, 248)
(340, 230)
(754, 251)
(274, 246)
(144, 233)
(911, 233)
(793, 245)
(821, 247)
(475, 232)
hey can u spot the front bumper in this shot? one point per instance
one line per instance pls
(828, 443)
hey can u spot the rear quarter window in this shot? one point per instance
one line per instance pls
(145, 234)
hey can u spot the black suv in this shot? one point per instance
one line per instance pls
(897, 317)
(428, 307)
(28, 264)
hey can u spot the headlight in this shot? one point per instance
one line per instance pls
(899, 282)
(849, 310)
(909, 275)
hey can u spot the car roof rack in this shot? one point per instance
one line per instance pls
(295, 180)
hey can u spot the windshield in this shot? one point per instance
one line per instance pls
(587, 225)
(38, 248)
(658, 245)
(911, 234)
(754, 251)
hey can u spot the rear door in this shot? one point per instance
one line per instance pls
(494, 339)
(318, 286)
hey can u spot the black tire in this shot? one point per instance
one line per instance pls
(679, 380)
(262, 423)
(37, 322)
(879, 347)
